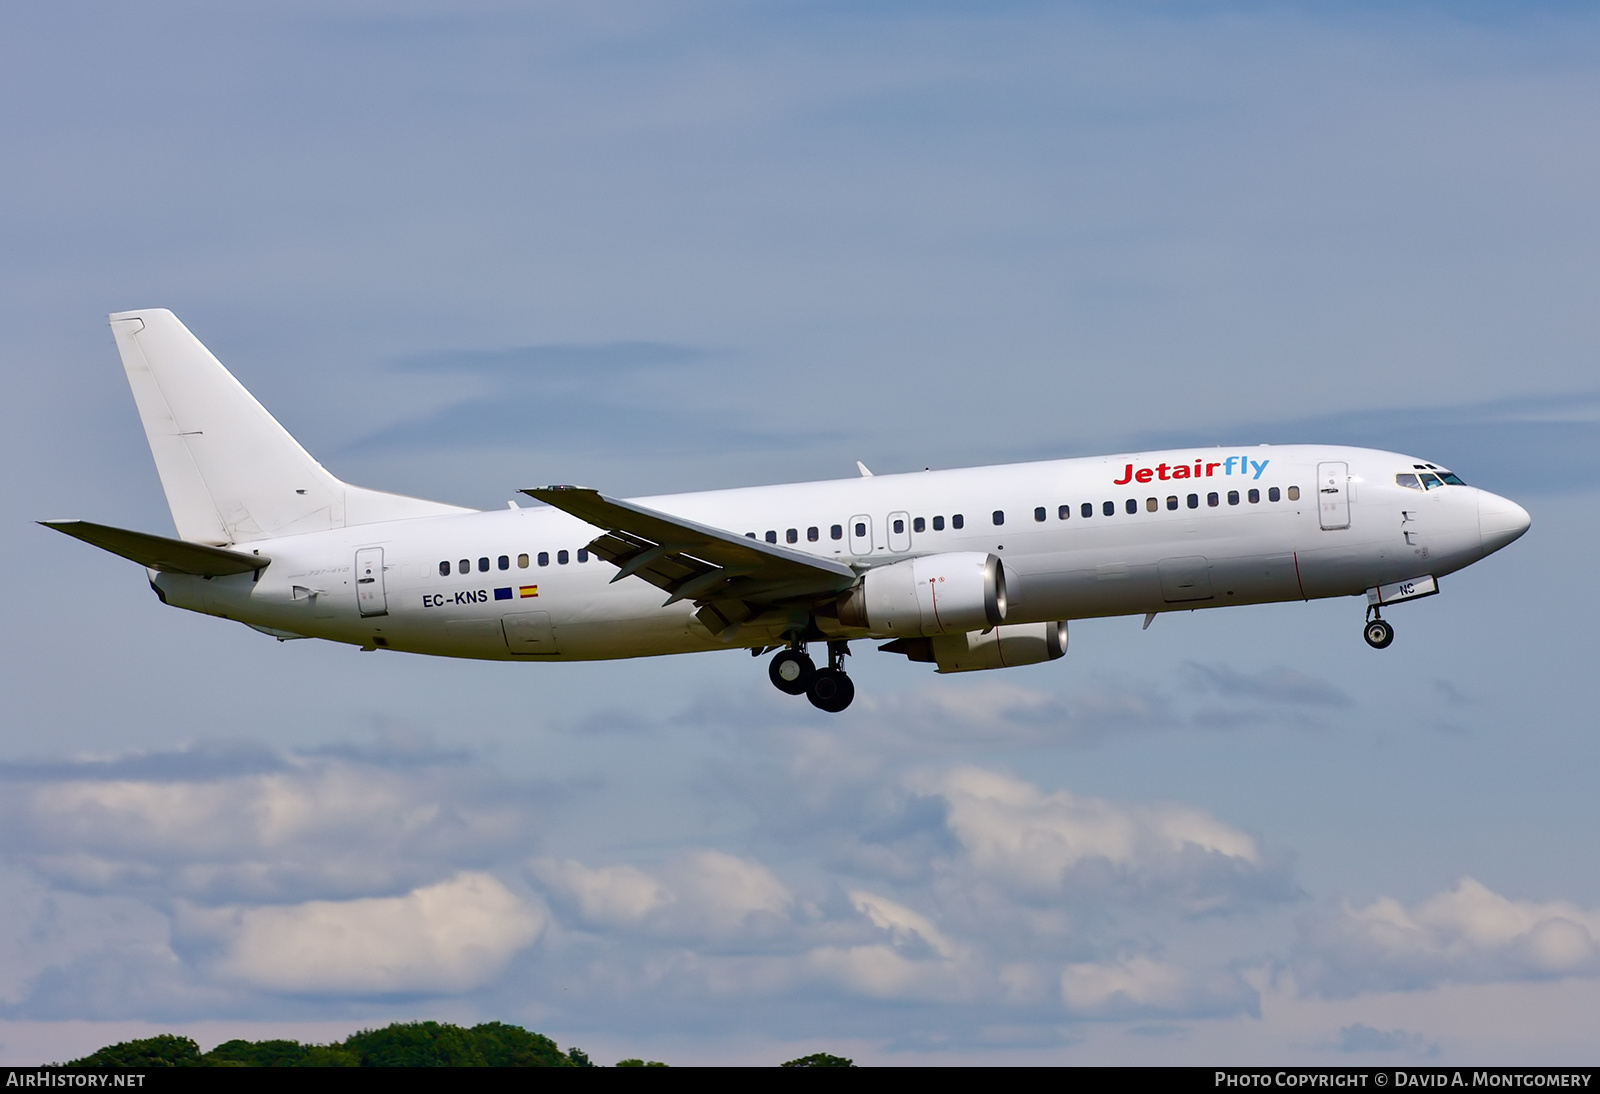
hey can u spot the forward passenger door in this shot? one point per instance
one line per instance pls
(1333, 495)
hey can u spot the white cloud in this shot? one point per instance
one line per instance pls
(446, 938)
(1140, 986)
(606, 895)
(312, 827)
(1061, 844)
(884, 972)
(1468, 933)
(702, 893)
(908, 930)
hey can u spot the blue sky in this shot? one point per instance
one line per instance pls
(464, 249)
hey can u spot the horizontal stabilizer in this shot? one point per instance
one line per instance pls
(172, 556)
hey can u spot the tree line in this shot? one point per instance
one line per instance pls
(400, 1044)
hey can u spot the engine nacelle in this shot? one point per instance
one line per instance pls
(933, 595)
(1000, 648)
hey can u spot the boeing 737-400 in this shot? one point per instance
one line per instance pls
(969, 569)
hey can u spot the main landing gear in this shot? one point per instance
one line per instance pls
(1377, 632)
(793, 673)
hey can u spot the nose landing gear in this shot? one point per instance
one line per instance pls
(793, 673)
(1377, 632)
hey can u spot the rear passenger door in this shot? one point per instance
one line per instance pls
(369, 582)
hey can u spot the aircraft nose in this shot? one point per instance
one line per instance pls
(1500, 520)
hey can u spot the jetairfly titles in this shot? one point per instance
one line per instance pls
(977, 568)
(1162, 472)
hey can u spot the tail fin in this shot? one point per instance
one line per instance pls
(231, 473)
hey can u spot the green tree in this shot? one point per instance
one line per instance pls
(239, 1053)
(415, 1044)
(819, 1059)
(512, 1046)
(165, 1050)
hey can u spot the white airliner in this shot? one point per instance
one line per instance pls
(970, 569)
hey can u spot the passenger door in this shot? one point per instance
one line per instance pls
(1333, 495)
(370, 596)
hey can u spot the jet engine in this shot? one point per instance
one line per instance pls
(999, 648)
(945, 594)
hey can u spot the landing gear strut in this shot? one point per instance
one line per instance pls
(831, 690)
(794, 673)
(1377, 632)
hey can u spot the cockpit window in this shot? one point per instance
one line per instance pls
(1430, 478)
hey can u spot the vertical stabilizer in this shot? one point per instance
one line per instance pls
(231, 473)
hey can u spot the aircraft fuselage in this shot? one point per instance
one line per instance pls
(1119, 535)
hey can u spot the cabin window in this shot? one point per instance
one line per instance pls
(1151, 505)
(522, 562)
(918, 524)
(836, 532)
(861, 529)
(792, 536)
(1213, 500)
(1255, 497)
(562, 558)
(749, 535)
(938, 524)
(1194, 501)
(1064, 512)
(899, 526)
(444, 569)
(1294, 493)
(583, 554)
(772, 535)
(464, 566)
(1088, 510)
(1039, 514)
(1172, 501)
(483, 565)
(1272, 493)
(958, 521)
(999, 517)
(1109, 508)
(1233, 497)
(504, 562)
(812, 534)
(544, 558)
(1132, 505)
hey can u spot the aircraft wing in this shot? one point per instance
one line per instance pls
(733, 578)
(173, 556)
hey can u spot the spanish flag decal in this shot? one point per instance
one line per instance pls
(530, 590)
